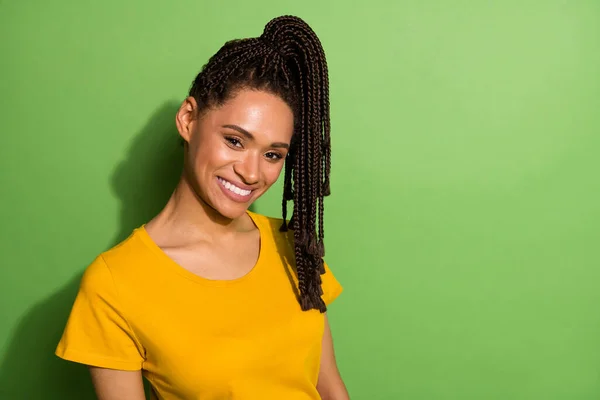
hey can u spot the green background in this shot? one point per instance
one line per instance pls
(466, 201)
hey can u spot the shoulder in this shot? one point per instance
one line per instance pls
(129, 252)
(285, 242)
(272, 227)
(122, 260)
(266, 221)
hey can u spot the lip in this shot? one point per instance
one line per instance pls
(238, 198)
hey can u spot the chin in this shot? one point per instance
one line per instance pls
(233, 206)
(232, 212)
(230, 209)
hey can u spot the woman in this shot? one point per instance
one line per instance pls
(209, 300)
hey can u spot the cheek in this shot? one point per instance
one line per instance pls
(212, 155)
(272, 172)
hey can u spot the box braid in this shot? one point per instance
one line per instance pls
(286, 60)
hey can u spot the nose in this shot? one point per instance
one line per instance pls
(248, 168)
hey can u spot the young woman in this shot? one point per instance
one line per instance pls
(209, 300)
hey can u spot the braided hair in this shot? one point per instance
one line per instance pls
(288, 61)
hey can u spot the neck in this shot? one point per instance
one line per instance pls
(187, 213)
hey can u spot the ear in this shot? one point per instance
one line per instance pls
(186, 117)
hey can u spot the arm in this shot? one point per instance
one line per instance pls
(330, 384)
(111, 384)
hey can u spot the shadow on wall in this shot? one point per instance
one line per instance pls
(143, 182)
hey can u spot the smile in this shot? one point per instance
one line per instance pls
(232, 188)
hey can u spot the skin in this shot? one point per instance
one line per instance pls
(245, 142)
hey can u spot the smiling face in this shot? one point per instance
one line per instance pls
(235, 152)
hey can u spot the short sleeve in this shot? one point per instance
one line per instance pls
(331, 287)
(97, 332)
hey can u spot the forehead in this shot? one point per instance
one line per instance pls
(266, 116)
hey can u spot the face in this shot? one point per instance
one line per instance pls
(237, 151)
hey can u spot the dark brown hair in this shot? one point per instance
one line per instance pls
(287, 60)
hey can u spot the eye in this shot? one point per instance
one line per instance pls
(233, 141)
(274, 156)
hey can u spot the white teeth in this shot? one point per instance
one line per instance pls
(234, 188)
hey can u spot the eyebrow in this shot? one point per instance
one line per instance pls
(250, 136)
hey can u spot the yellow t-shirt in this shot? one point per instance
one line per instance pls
(196, 338)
